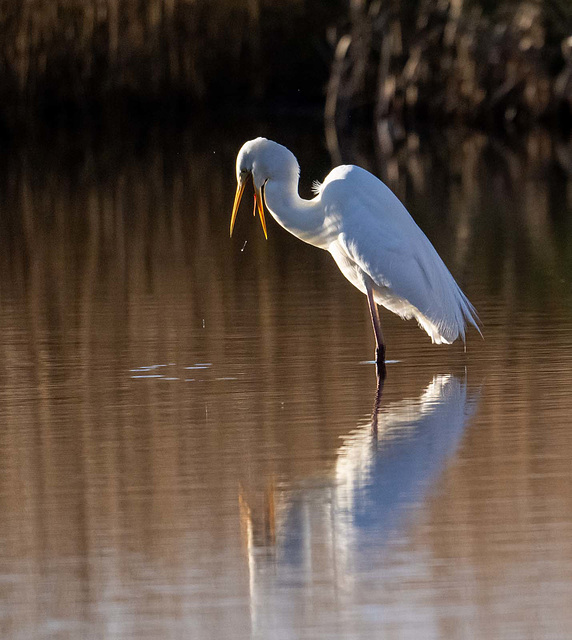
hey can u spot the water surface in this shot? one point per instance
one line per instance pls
(191, 437)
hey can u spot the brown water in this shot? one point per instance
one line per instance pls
(186, 437)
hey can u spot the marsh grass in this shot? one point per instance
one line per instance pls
(81, 53)
(475, 61)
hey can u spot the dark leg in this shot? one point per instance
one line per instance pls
(376, 406)
(379, 343)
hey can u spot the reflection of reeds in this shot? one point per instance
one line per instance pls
(121, 494)
(106, 266)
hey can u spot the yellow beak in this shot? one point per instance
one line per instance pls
(237, 199)
(257, 205)
(258, 202)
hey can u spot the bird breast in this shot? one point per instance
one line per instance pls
(351, 270)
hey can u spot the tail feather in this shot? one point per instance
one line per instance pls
(442, 329)
(448, 329)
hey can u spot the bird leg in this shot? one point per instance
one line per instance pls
(376, 322)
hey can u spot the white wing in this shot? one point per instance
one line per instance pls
(380, 240)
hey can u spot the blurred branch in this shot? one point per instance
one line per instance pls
(505, 63)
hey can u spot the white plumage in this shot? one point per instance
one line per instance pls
(379, 239)
(375, 242)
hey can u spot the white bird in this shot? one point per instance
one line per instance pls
(373, 239)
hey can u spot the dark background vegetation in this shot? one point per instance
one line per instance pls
(488, 62)
(66, 60)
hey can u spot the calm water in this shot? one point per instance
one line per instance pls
(189, 440)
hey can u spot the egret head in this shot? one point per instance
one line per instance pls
(263, 160)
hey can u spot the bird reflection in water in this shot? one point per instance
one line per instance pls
(386, 466)
(327, 531)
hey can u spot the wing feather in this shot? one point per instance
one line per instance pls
(378, 235)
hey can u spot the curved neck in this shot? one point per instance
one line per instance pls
(302, 218)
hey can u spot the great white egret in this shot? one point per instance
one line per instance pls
(375, 242)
